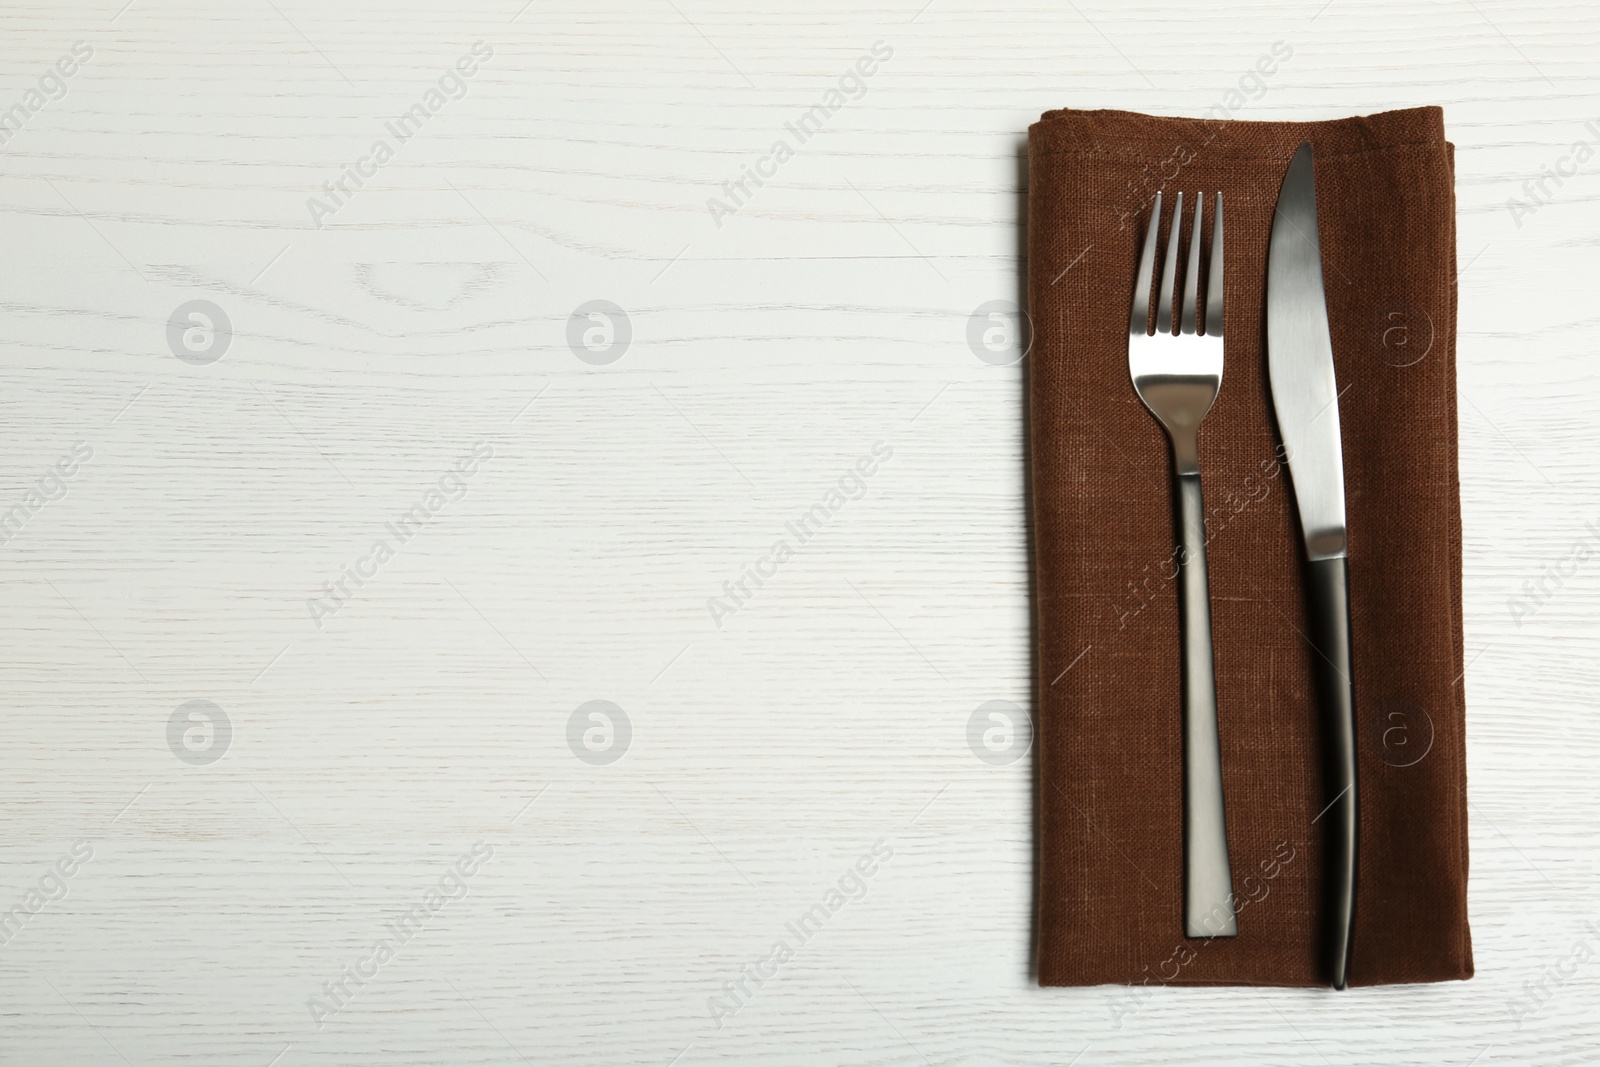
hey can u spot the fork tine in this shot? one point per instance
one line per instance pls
(1139, 317)
(1214, 276)
(1169, 273)
(1191, 272)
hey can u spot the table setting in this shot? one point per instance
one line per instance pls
(1238, 718)
(678, 534)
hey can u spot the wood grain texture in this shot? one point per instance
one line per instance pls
(431, 712)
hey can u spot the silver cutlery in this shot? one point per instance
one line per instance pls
(1177, 376)
(1305, 398)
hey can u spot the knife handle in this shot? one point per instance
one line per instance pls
(1208, 909)
(1330, 635)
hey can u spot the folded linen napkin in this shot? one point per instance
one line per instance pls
(1110, 875)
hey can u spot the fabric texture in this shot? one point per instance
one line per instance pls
(1104, 518)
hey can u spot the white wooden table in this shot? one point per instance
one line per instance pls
(174, 517)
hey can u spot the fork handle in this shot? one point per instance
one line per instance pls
(1329, 589)
(1208, 908)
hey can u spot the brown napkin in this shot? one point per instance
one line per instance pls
(1111, 833)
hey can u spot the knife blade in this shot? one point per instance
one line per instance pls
(1305, 401)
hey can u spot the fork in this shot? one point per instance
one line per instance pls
(1177, 375)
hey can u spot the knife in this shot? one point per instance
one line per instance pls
(1305, 399)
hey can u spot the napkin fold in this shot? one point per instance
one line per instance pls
(1110, 811)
